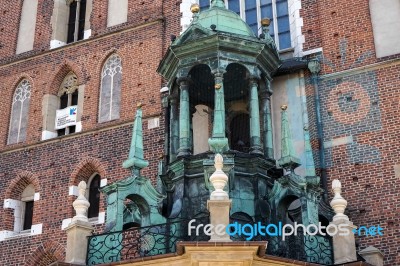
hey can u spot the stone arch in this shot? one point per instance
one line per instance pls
(246, 67)
(14, 192)
(18, 184)
(85, 169)
(46, 254)
(62, 71)
(19, 78)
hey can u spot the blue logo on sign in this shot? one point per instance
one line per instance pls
(72, 111)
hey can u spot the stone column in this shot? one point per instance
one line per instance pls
(184, 118)
(218, 142)
(255, 135)
(344, 246)
(174, 128)
(78, 230)
(78, 11)
(267, 122)
(219, 203)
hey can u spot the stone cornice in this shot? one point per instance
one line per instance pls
(362, 69)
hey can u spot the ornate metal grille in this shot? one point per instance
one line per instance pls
(140, 242)
(161, 239)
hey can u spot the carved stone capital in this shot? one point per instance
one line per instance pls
(314, 66)
(183, 82)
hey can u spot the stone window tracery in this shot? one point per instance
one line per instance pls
(110, 94)
(20, 112)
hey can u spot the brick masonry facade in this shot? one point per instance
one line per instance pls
(359, 98)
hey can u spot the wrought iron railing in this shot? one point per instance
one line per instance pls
(315, 249)
(162, 239)
(140, 242)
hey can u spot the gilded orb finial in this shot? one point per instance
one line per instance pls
(283, 107)
(217, 86)
(139, 105)
(195, 8)
(265, 22)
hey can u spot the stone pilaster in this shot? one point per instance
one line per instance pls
(78, 230)
(77, 242)
(344, 246)
(219, 203)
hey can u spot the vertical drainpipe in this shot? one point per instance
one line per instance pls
(315, 67)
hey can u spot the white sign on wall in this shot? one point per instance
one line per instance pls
(66, 117)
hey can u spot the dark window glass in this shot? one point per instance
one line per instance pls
(204, 4)
(82, 13)
(94, 197)
(28, 215)
(71, 21)
(251, 15)
(234, 6)
(61, 132)
(64, 101)
(74, 100)
(72, 129)
(240, 133)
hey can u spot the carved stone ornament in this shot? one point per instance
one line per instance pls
(81, 204)
(338, 203)
(219, 180)
(69, 84)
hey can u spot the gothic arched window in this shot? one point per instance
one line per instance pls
(20, 112)
(110, 92)
(68, 94)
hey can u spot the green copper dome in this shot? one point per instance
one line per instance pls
(225, 20)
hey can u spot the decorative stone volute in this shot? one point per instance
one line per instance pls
(338, 203)
(81, 204)
(219, 180)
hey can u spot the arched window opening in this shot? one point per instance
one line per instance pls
(68, 95)
(20, 112)
(27, 204)
(240, 133)
(132, 214)
(293, 213)
(94, 196)
(110, 94)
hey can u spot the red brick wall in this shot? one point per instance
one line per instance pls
(366, 167)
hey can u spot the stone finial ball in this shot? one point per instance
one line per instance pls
(336, 184)
(265, 22)
(82, 185)
(195, 8)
